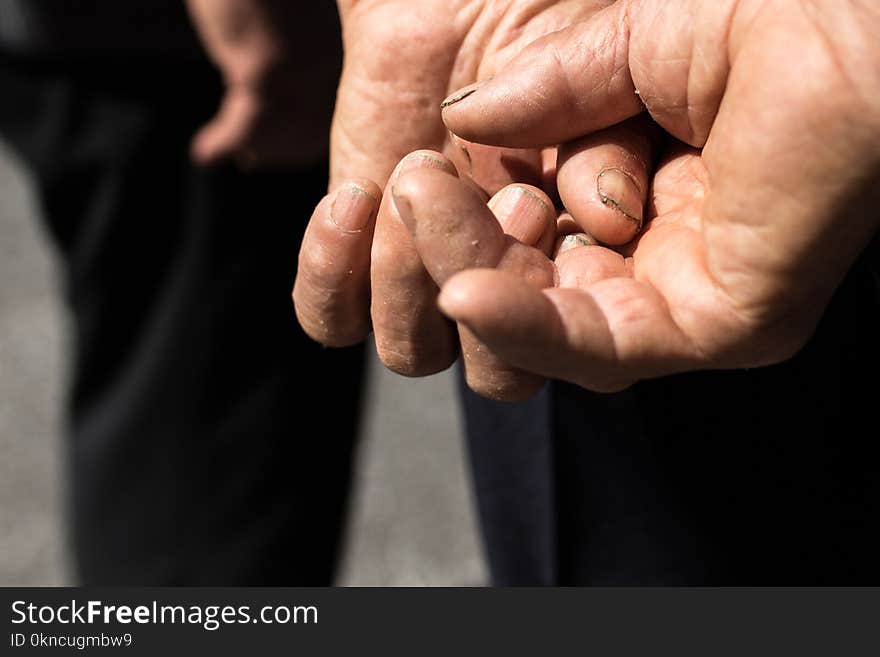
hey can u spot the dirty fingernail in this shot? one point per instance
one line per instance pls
(461, 94)
(573, 241)
(352, 208)
(522, 213)
(422, 160)
(618, 189)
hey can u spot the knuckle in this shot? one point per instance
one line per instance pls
(420, 33)
(405, 358)
(410, 343)
(320, 326)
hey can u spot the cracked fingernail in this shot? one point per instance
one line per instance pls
(461, 94)
(619, 190)
(352, 208)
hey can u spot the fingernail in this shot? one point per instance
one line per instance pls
(461, 94)
(618, 189)
(521, 212)
(574, 241)
(421, 160)
(352, 208)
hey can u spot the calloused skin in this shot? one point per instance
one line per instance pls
(758, 209)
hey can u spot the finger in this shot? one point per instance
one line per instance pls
(224, 135)
(526, 214)
(451, 225)
(562, 86)
(461, 233)
(603, 180)
(412, 337)
(582, 265)
(331, 293)
(604, 337)
(549, 160)
(566, 225)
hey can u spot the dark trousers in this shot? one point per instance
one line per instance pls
(210, 440)
(768, 476)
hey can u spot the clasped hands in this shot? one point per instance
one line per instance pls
(650, 187)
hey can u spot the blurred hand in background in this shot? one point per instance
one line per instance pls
(280, 64)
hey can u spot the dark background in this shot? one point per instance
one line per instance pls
(411, 521)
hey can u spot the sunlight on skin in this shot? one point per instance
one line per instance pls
(747, 190)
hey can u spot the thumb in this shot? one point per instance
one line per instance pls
(603, 337)
(564, 85)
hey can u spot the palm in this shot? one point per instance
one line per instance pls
(663, 287)
(669, 274)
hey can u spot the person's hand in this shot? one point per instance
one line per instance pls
(725, 275)
(451, 228)
(402, 58)
(755, 216)
(514, 232)
(280, 63)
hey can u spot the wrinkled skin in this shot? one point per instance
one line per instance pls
(751, 231)
(764, 197)
(402, 59)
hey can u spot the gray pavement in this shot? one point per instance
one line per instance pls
(412, 521)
